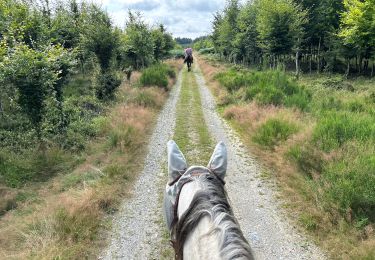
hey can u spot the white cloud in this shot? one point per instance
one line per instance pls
(183, 18)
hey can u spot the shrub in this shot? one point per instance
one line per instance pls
(157, 75)
(266, 87)
(207, 50)
(274, 131)
(177, 53)
(336, 128)
(231, 80)
(106, 84)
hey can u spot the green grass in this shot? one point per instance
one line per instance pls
(274, 131)
(336, 128)
(266, 87)
(348, 182)
(157, 75)
(16, 170)
(328, 169)
(192, 135)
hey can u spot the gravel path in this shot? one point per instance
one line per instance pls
(135, 229)
(253, 199)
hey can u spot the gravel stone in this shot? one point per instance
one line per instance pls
(135, 227)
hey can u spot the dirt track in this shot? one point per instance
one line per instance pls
(136, 229)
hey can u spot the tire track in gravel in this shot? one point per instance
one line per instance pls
(135, 229)
(262, 220)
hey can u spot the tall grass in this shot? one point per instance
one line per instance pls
(336, 128)
(157, 75)
(328, 167)
(274, 131)
(266, 87)
(348, 182)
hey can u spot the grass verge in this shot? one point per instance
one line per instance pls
(317, 134)
(66, 216)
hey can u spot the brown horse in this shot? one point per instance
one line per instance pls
(189, 60)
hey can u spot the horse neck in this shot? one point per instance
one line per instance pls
(201, 243)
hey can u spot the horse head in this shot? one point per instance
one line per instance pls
(197, 211)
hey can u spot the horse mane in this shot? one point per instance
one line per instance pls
(212, 202)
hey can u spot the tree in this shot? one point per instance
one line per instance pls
(101, 39)
(279, 24)
(246, 40)
(228, 29)
(358, 27)
(34, 73)
(138, 44)
(163, 42)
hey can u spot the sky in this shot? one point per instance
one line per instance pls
(183, 18)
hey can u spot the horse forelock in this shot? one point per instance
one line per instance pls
(212, 201)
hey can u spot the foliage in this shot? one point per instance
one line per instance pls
(358, 25)
(307, 35)
(266, 87)
(279, 24)
(157, 75)
(138, 45)
(106, 84)
(58, 61)
(334, 129)
(100, 37)
(35, 74)
(163, 42)
(274, 131)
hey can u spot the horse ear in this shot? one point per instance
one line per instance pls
(176, 161)
(218, 161)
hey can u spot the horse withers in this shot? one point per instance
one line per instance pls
(197, 211)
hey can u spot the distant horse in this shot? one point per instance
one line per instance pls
(197, 211)
(189, 60)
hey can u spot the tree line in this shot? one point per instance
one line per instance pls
(44, 42)
(312, 35)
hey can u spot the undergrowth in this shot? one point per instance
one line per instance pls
(318, 133)
(157, 75)
(55, 199)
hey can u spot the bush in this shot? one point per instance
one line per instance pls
(177, 53)
(207, 50)
(157, 75)
(266, 87)
(336, 128)
(231, 80)
(274, 131)
(106, 84)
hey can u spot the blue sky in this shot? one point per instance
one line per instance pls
(183, 18)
